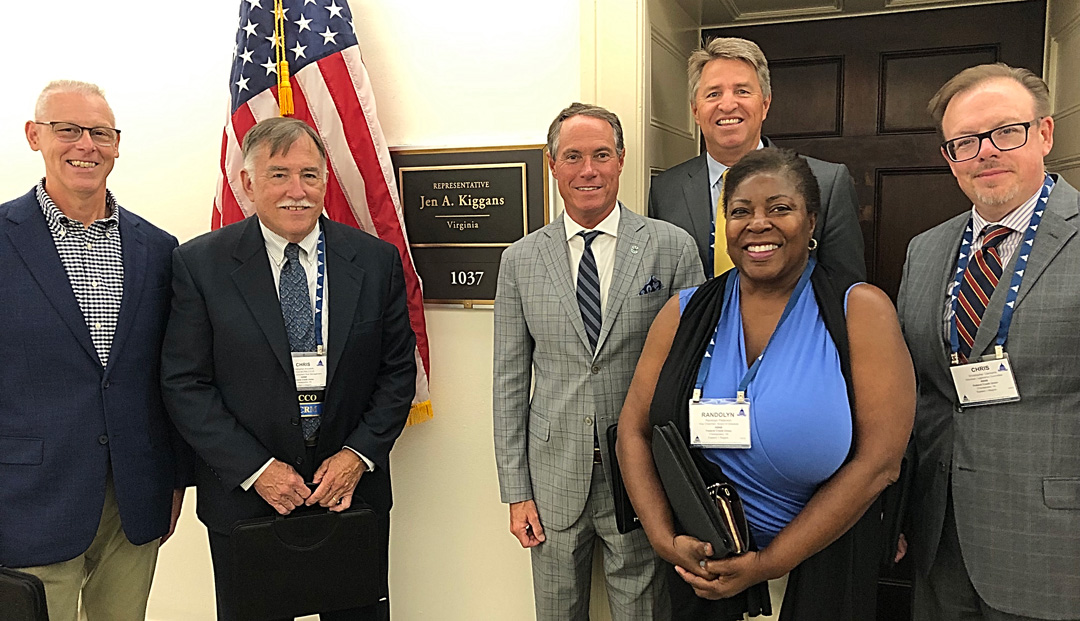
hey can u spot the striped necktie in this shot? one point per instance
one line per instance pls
(588, 289)
(980, 279)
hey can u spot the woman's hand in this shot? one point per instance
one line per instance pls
(733, 575)
(692, 555)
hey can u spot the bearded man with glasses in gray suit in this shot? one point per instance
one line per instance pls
(988, 304)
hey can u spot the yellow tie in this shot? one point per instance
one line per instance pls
(721, 260)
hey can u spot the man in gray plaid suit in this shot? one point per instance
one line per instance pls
(575, 301)
(993, 294)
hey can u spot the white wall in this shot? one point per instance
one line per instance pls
(672, 133)
(1063, 65)
(469, 73)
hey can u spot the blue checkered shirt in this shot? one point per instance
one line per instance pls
(94, 266)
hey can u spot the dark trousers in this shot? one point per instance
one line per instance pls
(228, 599)
(946, 593)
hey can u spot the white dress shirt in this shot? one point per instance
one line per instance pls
(603, 247)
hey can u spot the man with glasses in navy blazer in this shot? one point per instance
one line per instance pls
(92, 473)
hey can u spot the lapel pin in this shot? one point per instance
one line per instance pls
(633, 249)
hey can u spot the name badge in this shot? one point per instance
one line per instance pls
(987, 381)
(310, 404)
(309, 369)
(720, 424)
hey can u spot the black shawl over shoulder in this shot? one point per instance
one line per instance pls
(838, 583)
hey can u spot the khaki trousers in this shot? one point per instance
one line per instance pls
(113, 576)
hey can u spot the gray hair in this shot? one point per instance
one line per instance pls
(580, 109)
(732, 48)
(67, 86)
(973, 76)
(278, 134)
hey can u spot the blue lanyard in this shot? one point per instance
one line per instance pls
(751, 373)
(1017, 276)
(320, 262)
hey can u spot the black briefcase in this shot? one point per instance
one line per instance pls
(22, 596)
(309, 561)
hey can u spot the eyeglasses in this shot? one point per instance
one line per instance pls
(70, 132)
(1004, 138)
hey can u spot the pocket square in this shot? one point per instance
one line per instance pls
(652, 285)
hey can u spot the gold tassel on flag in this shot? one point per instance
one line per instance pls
(420, 412)
(285, 100)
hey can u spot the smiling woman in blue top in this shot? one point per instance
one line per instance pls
(830, 398)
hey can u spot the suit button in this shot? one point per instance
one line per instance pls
(588, 420)
(106, 384)
(103, 440)
(942, 466)
(299, 461)
(596, 369)
(295, 421)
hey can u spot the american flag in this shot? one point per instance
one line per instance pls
(331, 92)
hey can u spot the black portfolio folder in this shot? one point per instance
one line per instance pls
(712, 513)
(626, 519)
(309, 561)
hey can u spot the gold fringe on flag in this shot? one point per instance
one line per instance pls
(285, 98)
(419, 413)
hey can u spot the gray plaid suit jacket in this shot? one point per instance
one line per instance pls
(544, 441)
(1014, 467)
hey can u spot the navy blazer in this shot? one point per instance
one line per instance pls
(227, 372)
(64, 420)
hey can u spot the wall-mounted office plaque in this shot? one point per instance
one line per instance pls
(462, 208)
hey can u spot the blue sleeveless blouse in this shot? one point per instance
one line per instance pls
(800, 427)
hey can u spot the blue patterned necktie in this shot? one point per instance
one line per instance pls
(980, 279)
(296, 310)
(295, 302)
(588, 289)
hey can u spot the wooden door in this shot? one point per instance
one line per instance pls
(854, 90)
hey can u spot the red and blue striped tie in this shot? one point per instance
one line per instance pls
(980, 279)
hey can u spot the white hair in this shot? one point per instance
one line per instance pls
(67, 86)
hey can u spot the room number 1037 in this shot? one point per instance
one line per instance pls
(468, 279)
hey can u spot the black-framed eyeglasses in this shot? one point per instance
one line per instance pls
(70, 132)
(1004, 138)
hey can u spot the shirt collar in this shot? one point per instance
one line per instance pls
(716, 169)
(56, 218)
(275, 244)
(609, 225)
(1017, 219)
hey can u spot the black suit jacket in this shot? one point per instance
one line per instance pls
(227, 373)
(680, 195)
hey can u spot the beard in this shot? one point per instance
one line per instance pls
(996, 197)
